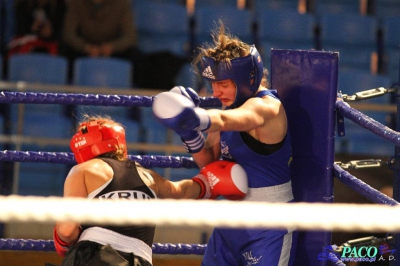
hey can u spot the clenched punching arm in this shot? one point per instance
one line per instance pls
(177, 111)
(62, 246)
(222, 178)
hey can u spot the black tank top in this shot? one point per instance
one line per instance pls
(127, 183)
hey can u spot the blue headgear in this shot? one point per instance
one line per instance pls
(246, 72)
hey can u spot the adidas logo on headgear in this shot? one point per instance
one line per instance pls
(208, 73)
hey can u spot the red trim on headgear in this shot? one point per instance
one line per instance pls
(95, 138)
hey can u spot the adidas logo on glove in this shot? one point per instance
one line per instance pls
(212, 179)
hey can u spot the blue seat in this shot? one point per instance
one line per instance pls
(392, 60)
(215, 3)
(386, 8)
(38, 67)
(187, 77)
(238, 22)
(40, 120)
(107, 73)
(8, 29)
(155, 132)
(359, 140)
(391, 46)
(354, 36)
(102, 72)
(291, 30)
(162, 27)
(261, 6)
(352, 81)
(338, 6)
(1, 67)
(42, 179)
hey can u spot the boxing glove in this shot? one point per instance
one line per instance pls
(60, 245)
(178, 113)
(222, 178)
(188, 93)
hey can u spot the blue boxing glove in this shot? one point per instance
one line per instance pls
(188, 92)
(178, 113)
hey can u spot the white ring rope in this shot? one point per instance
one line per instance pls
(304, 216)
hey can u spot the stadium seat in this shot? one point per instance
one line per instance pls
(337, 6)
(42, 179)
(215, 3)
(357, 139)
(1, 67)
(107, 73)
(38, 68)
(261, 6)
(187, 77)
(41, 121)
(102, 72)
(291, 30)
(391, 46)
(7, 20)
(354, 36)
(162, 27)
(386, 8)
(238, 22)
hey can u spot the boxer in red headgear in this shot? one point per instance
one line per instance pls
(105, 172)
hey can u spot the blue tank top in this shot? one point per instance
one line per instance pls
(262, 170)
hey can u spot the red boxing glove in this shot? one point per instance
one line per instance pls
(60, 245)
(222, 178)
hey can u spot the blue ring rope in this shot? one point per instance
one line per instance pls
(48, 245)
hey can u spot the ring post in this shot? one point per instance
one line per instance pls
(307, 84)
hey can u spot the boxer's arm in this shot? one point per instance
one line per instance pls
(184, 189)
(221, 178)
(81, 179)
(210, 152)
(62, 243)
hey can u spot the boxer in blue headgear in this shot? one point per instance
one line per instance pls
(246, 72)
(251, 129)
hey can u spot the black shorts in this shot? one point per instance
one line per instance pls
(88, 253)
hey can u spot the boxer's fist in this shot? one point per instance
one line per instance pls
(188, 92)
(222, 178)
(60, 245)
(177, 112)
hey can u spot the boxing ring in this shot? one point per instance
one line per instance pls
(307, 83)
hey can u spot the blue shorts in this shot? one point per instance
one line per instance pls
(235, 247)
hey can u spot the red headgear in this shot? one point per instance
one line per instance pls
(95, 138)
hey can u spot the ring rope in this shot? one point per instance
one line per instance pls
(348, 112)
(362, 188)
(149, 161)
(89, 99)
(48, 245)
(185, 162)
(368, 123)
(224, 213)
